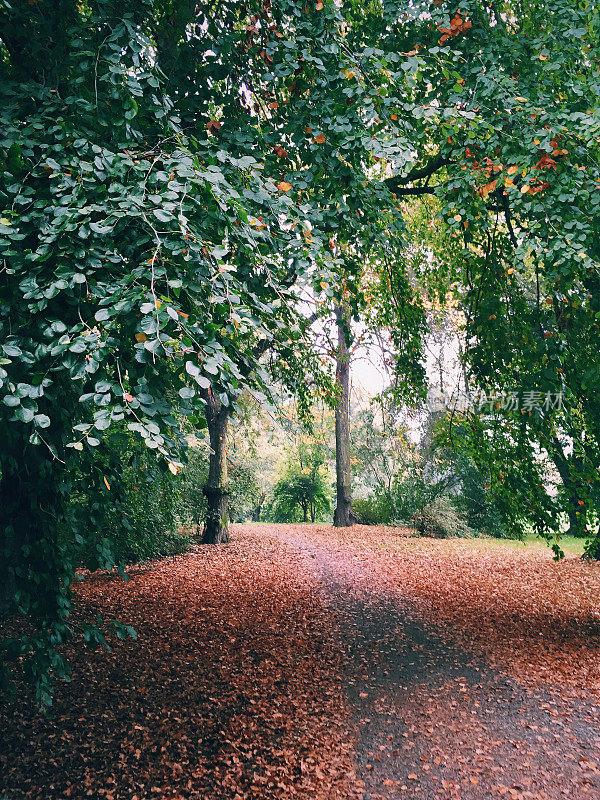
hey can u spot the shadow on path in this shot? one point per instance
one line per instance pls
(435, 722)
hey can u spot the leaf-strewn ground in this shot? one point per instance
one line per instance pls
(301, 661)
(232, 690)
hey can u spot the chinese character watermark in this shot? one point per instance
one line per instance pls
(483, 403)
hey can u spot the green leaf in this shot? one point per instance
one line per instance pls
(24, 414)
(162, 215)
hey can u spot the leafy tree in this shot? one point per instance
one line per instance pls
(135, 244)
(501, 105)
(303, 491)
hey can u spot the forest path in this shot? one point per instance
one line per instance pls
(435, 721)
(301, 662)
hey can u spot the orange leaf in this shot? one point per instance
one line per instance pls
(284, 186)
(487, 188)
(320, 138)
(106, 483)
(140, 337)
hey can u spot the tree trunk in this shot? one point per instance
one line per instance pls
(577, 512)
(31, 504)
(13, 537)
(216, 524)
(258, 508)
(343, 516)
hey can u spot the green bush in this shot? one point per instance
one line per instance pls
(441, 520)
(474, 501)
(591, 550)
(375, 509)
(128, 499)
(411, 493)
(303, 492)
(191, 500)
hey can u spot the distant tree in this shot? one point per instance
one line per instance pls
(303, 492)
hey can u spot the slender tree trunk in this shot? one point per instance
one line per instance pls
(258, 509)
(343, 516)
(216, 524)
(576, 512)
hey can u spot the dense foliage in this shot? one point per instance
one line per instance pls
(303, 492)
(141, 520)
(174, 176)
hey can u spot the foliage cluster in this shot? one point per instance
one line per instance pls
(139, 522)
(303, 492)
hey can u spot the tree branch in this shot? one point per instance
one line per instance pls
(397, 182)
(404, 191)
(507, 217)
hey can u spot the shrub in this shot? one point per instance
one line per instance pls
(411, 492)
(373, 510)
(474, 501)
(133, 516)
(591, 551)
(303, 491)
(296, 498)
(441, 519)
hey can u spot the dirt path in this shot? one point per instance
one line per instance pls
(433, 721)
(303, 662)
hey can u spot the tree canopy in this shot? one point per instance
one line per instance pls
(176, 175)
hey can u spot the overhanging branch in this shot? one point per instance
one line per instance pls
(398, 184)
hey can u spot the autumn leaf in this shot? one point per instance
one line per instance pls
(284, 186)
(487, 188)
(320, 139)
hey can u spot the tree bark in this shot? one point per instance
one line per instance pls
(343, 516)
(31, 504)
(216, 523)
(258, 508)
(576, 512)
(13, 537)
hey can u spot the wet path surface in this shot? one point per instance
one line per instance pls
(431, 720)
